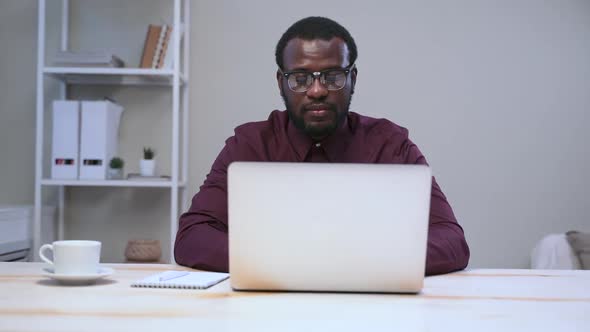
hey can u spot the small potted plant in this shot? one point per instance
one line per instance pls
(147, 166)
(116, 168)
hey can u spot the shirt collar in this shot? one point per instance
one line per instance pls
(335, 145)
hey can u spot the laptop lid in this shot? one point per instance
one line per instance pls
(328, 227)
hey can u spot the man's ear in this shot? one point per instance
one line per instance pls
(353, 74)
(279, 80)
(280, 84)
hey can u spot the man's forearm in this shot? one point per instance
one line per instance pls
(201, 246)
(447, 249)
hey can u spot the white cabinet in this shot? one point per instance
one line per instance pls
(174, 80)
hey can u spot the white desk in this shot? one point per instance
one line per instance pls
(476, 300)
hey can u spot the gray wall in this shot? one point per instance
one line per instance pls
(493, 92)
(18, 28)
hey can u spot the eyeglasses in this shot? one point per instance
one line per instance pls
(331, 79)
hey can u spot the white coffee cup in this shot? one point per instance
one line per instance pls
(73, 257)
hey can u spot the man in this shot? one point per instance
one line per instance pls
(316, 77)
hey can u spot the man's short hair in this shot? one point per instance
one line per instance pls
(315, 27)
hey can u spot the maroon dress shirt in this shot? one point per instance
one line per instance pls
(202, 242)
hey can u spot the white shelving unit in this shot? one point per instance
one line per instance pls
(175, 79)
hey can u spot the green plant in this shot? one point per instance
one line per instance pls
(116, 162)
(148, 153)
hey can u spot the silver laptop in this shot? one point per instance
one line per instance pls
(328, 227)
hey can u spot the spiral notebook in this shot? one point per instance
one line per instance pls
(182, 279)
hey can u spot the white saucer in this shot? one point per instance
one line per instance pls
(78, 279)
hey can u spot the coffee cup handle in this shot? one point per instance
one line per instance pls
(42, 249)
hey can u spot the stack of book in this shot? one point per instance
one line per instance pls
(156, 46)
(87, 59)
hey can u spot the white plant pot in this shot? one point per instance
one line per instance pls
(147, 167)
(115, 173)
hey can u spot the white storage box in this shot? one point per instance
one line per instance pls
(65, 139)
(98, 138)
(16, 223)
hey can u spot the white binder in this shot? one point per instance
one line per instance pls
(98, 138)
(65, 139)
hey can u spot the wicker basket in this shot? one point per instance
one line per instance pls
(143, 251)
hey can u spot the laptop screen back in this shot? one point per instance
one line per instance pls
(328, 227)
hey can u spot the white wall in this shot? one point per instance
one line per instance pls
(17, 101)
(493, 92)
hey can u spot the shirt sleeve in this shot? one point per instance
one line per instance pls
(447, 249)
(201, 241)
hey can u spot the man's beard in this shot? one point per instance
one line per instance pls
(312, 131)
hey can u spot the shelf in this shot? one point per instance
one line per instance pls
(170, 85)
(110, 76)
(109, 183)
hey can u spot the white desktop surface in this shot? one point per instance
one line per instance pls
(474, 300)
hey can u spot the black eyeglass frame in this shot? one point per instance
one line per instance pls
(321, 75)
